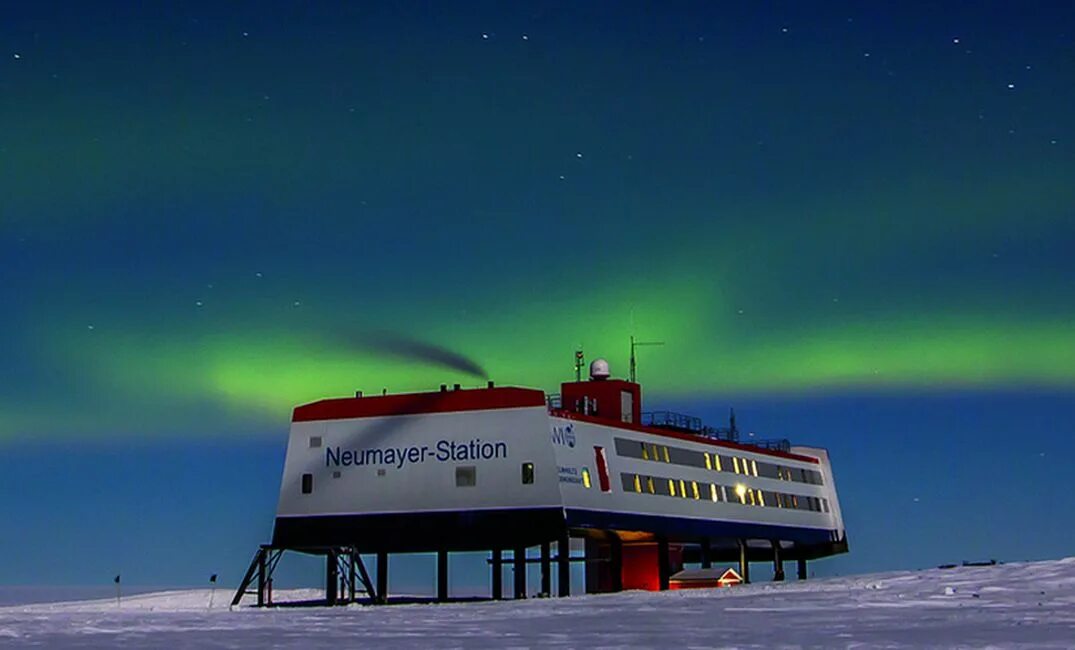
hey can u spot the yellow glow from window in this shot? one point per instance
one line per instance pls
(795, 501)
(712, 492)
(671, 487)
(666, 459)
(716, 457)
(754, 464)
(682, 488)
(585, 477)
(638, 483)
(735, 462)
(761, 498)
(694, 488)
(649, 485)
(708, 461)
(741, 492)
(645, 452)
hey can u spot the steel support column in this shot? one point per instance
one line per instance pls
(563, 565)
(704, 551)
(744, 562)
(332, 578)
(778, 563)
(664, 569)
(518, 562)
(802, 568)
(546, 569)
(382, 576)
(442, 575)
(497, 571)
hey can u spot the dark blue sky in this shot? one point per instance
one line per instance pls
(850, 221)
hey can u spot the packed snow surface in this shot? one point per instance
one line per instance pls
(1004, 606)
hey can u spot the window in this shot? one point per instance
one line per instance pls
(307, 483)
(649, 485)
(735, 462)
(671, 487)
(528, 473)
(466, 476)
(754, 465)
(315, 442)
(638, 483)
(682, 488)
(716, 457)
(694, 489)
(337, 474)
(602, 469)
(666, 458)
(645, 452)
(586, 477)
(708, 461)
(712, 492)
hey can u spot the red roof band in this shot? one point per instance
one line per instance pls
(452, 401)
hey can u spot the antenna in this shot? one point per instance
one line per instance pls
(580, 362)
(636, 344)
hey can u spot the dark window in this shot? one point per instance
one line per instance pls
(528, 473)
(307, 483)
(315, 441)
(466, 476)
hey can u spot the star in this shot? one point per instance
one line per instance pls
(1011, 86)
(578, 155)
(296, 303)
(258, 274)
(561, 177)
(89, 327)
(525, 37)
(485, 36)
(784, 30)
(245, 34)
(17, 55)
(197, 303)
(955, 41)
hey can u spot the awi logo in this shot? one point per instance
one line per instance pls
(564, 435)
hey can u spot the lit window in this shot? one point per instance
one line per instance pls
(735, 462)
(649, 485)
(307, 483)
(638, 483)
(712, 492)
(708, 460)
(585, 477)
(666, 458)
(682, 488)
(794, 501)
(716, 457)
(761, 498)
(754, 464)
(741, 492)
(671, 487)
(528, 473)
(655, 452)
(466, 476)
(753, 502)
(645, 452)
(694, 489)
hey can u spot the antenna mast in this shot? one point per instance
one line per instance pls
(634, 363)
(580, 361)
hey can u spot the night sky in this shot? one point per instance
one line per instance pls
(852, 222)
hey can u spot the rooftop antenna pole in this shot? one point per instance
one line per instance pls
(634, 363)
(580, 361)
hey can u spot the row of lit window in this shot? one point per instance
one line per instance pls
(714, 461)
(738, 493)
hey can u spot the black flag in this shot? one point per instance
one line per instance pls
(116, 579)
(212, 579)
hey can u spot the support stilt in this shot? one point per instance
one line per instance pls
(744, 562)
(263, 562)
(704, 550)
(778, 563)
(498, 574)
(664, 570)
(519, 571)
(546, 569)
(616, 564)
(382, 577)
(563, 565)
(442, 575)
(801, 568)
(332, 577)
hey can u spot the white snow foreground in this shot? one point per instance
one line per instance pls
(1005, 606)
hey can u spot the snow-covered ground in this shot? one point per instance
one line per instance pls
(1012, 605)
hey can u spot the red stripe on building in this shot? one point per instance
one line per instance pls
(480, 399)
